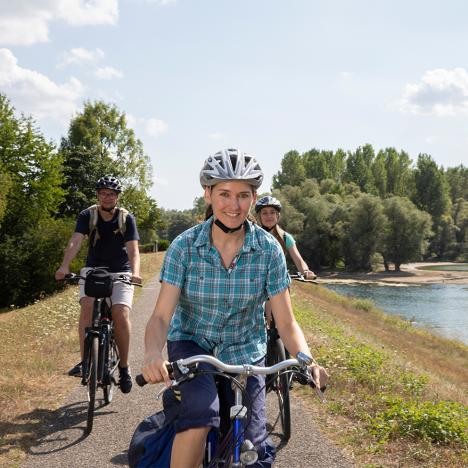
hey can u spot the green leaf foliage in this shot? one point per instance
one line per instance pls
(99, 142)
(407, 232)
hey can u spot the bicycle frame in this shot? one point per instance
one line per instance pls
(101, 356)
(243, 451)
(101, 327)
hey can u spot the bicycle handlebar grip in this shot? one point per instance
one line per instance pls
(140, 380)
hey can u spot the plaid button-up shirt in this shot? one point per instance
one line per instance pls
(221, 309)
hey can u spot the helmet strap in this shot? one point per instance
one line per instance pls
(226, 229)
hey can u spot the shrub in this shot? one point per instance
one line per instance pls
(163, 244)
(28, 262)
(363, 304)
(145, 248)
(442, 422)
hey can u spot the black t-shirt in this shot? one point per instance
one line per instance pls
(110, 250)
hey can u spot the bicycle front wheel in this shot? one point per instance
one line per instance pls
(280, 385)
(111, 362)
(92, 381)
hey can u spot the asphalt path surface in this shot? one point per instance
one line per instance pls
(63, 443)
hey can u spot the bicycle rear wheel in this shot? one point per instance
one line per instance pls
(111, 362)
(280, 385)
(92, 381)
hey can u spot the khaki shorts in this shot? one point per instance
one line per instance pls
(121, 293)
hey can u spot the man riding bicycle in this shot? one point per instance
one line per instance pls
(113, 244)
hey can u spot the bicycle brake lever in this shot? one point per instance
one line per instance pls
(174, 383)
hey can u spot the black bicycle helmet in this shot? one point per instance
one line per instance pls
(231, 164)
(268, 201)
(109, 182)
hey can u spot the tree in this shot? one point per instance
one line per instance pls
(31, 170)
(406, 233)
(180, 221)
(457, 178)
(359, 168)
(444, 243)
(432, 194)
(316, 164)
(292, 171)
(364, 230)
(460, 218)
(322, 164)
(30, 178)
(99, 142)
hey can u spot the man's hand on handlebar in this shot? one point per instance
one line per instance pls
(61, 273)
(136, 279)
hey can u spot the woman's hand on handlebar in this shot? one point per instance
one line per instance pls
(320, 376)
(309, 275)
(155, 370)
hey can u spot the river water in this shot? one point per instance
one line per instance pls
(441, 308)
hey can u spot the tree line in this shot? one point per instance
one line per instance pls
(357, 209)
(348, 209)
(44, 185)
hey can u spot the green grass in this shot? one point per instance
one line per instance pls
(381, 400)
(38, 344)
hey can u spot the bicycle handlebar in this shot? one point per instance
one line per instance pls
(300, 277)
(123, 278)
(188, 368)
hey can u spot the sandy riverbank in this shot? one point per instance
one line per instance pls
(410, 274)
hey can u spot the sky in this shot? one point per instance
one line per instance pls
(264, 76)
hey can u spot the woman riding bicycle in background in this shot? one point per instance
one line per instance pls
(268, 210)
(214, 281)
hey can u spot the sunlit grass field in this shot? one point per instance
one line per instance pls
(38, 344)
(398, 394)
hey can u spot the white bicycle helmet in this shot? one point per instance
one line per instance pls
(109, 182)
(268, 201)
(231, 164)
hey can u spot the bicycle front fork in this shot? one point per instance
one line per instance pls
(244, 450)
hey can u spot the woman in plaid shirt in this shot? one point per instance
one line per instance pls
(215, 279)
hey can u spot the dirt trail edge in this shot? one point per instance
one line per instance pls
(64, 444)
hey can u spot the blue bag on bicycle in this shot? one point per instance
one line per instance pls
(151, 443)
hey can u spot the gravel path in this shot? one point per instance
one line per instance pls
(63, 444)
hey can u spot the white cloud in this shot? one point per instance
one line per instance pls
(80, 55)
(26, 22)
(34, 93)
(107, 73)
(152, 126)
(23, 31)
(84, 12)
(440, 92)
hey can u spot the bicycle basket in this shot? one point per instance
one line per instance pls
(98, 283)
